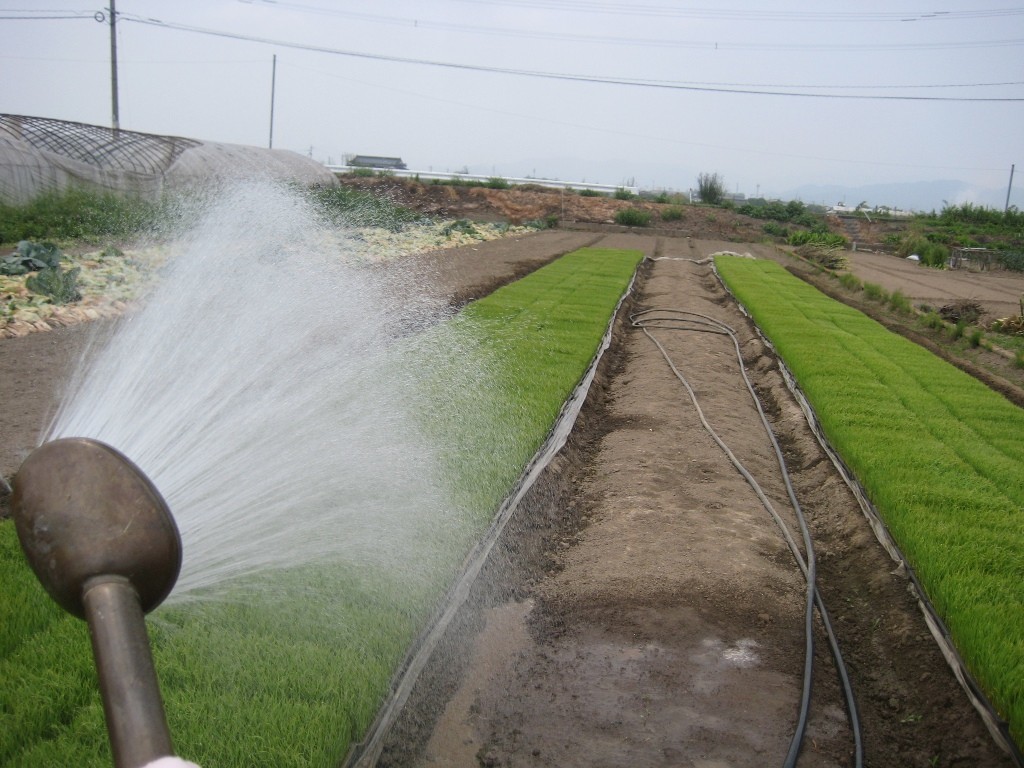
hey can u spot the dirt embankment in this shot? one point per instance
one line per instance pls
(525, 203)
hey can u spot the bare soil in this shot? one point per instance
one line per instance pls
(526, 203)
(642, 608)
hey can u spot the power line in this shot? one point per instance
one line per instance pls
(539, 34)
(599, 128)
(637, 9)
(42, 18)
(636, 83)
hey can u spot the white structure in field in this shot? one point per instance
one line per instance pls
(39, 155)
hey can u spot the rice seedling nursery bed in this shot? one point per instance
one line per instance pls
(938, 453)
(291, 672)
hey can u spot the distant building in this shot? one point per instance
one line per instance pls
(380, 163)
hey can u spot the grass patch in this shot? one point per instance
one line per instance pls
(900, 303)
(291, 672)
(850, 281)
(632, 217)
(938, 452)
(932, 319)
(80, 215)
(817, 237)
(77, 214)
(347, 206)
(875, 292)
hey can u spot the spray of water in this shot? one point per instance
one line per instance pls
(260, 389)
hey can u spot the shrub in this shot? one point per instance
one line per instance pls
(354, 207)
(956, 331)
(932, 254)
(975, 337)
(875, 292)
(496, 182)
(933, 320)
(672, 213)
(548, 222)
(850, 281)
(803, 237)
(711, 188)
(900, 303)
(623, 194)
(776, 229)
(590, 193)
(632, 217)
(79, 214)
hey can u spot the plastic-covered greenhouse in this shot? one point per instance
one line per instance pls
(39, 155)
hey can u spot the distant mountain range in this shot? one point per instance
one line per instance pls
(913, 196)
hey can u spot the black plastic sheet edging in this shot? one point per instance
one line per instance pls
(366, 753)
(997, 727)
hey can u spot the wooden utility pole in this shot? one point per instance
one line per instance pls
(116, 119)
(273, 83)
(1008, 190)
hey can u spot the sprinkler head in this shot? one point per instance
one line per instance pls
(85, 513)
(104, 545)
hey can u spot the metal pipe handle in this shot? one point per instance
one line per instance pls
(136, 723)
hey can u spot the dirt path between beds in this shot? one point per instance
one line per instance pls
(642, 609)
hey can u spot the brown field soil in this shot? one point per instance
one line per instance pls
(526, 203)
(642, 608)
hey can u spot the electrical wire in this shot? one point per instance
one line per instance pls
(682, 320)
(42, 18)
(552, 75)
(546, 34)
(636, 9)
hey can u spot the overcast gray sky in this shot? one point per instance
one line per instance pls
(431, 81)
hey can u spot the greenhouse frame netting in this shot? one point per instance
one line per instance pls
(39, 155)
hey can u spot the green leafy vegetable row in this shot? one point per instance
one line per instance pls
(939, 453)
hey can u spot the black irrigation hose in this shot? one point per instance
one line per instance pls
(673, 319)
